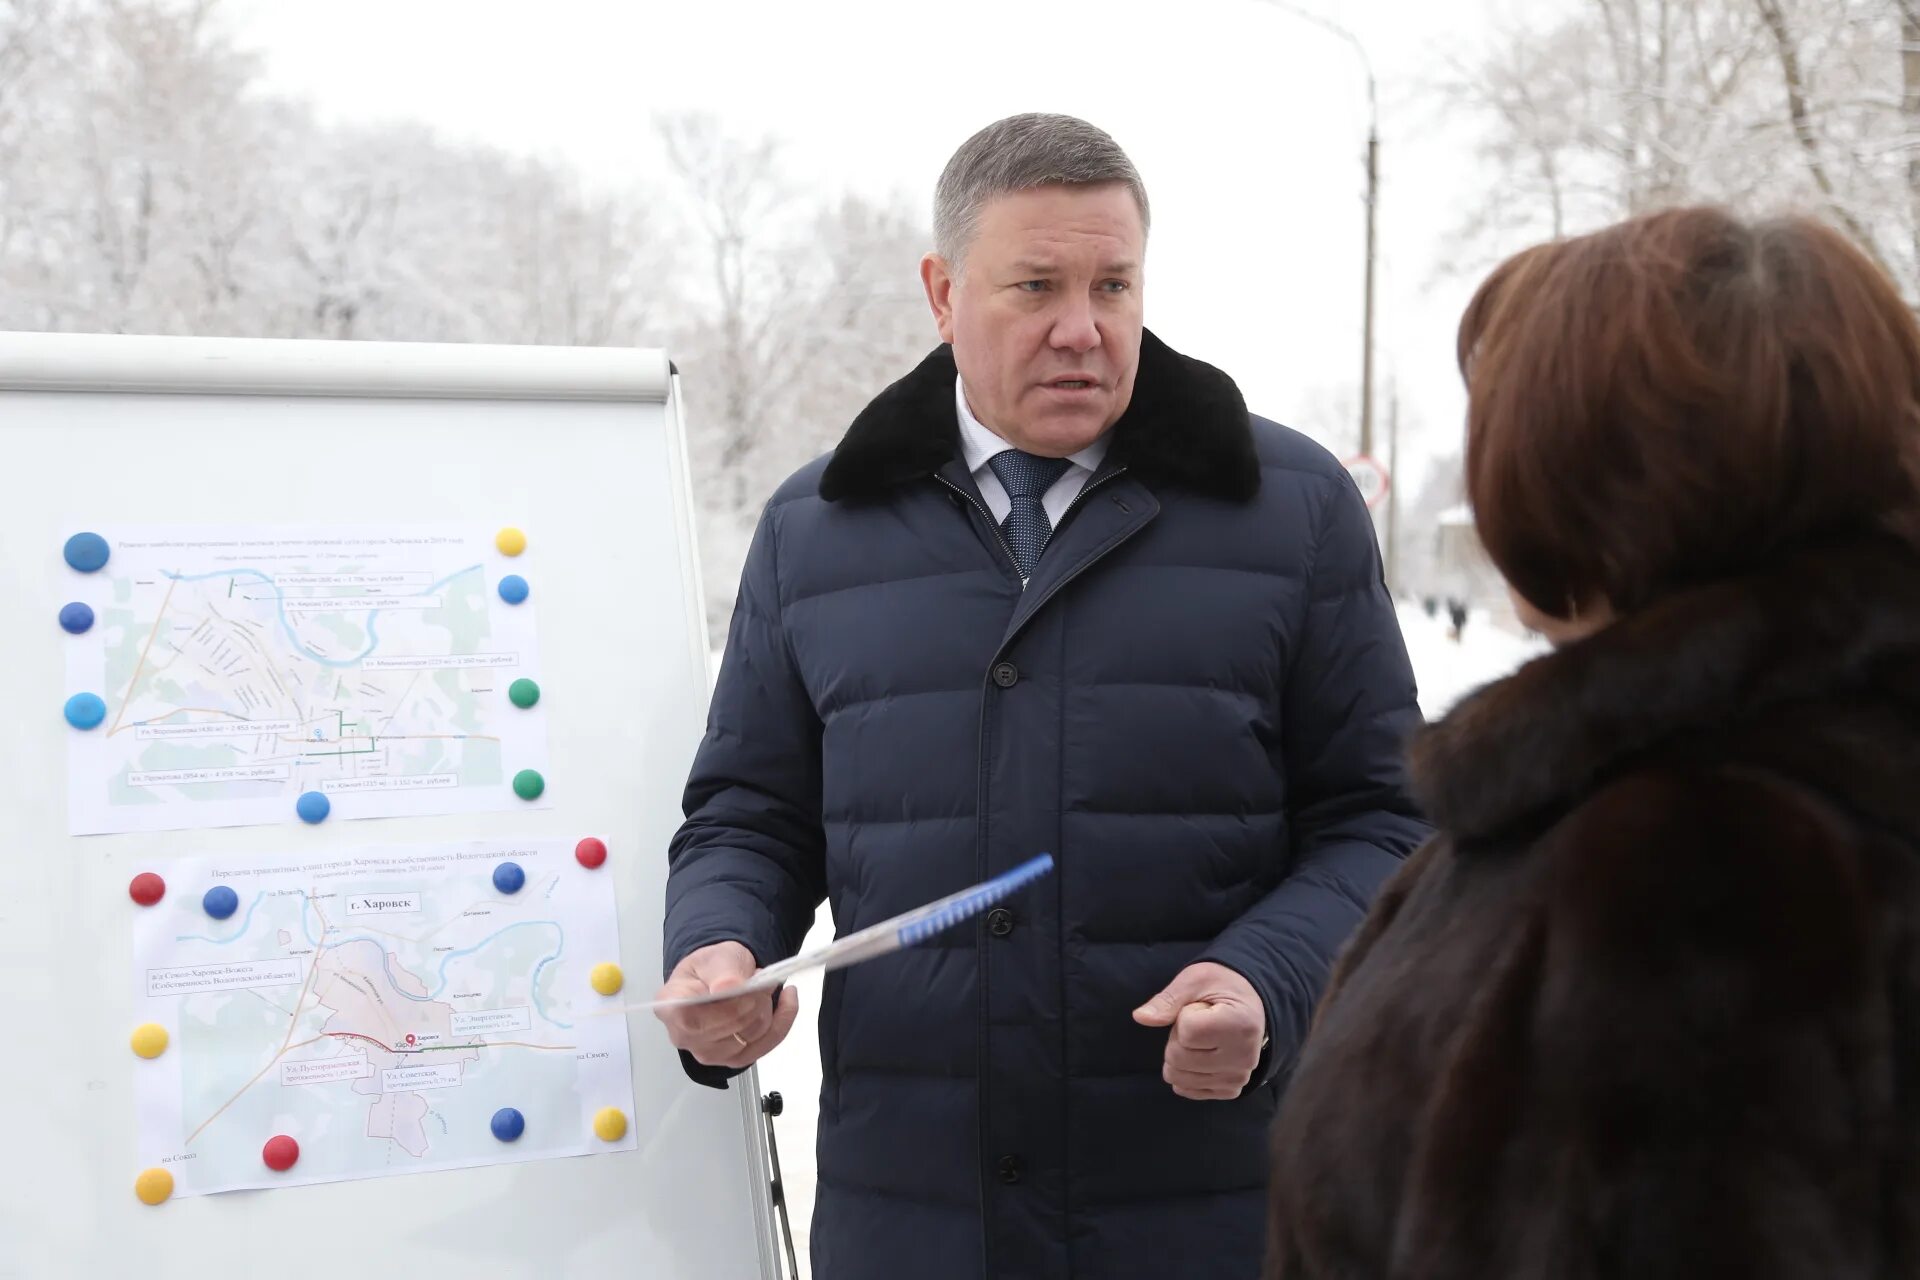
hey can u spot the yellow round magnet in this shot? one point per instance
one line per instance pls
(153, 1186)
(607, 979)
(149, 1040)
(610, 1124)
(511, 541)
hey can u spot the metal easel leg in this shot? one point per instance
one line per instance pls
(771, 1106)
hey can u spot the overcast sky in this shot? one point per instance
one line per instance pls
(1248, 124)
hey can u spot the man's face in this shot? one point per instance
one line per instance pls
(1045, 315)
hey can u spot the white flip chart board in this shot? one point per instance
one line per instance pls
(580, 449)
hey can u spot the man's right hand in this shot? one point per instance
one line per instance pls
(728, 1033)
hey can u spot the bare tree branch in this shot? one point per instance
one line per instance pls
(1776, 21)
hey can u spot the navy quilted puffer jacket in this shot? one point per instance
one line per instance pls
(1197, 705)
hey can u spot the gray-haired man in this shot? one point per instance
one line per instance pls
(1054, 592)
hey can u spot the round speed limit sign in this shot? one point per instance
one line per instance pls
(1371, 478)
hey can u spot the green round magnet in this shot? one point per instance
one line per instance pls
(523, 693)
(527, 784)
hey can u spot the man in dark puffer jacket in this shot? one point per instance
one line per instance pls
(1054, 592)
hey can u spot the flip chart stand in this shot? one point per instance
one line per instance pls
(771, 1106)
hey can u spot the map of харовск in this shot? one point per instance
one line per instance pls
(389, 1010)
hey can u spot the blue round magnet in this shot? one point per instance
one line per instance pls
(508, 1124)
(513, 588)
(313, 806)
(87, 552)
(220, 902)
(508, 877)
(85, 710)
(76, 619)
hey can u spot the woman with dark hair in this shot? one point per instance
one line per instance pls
(1648, 1005)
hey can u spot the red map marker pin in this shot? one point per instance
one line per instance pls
(409, 1039)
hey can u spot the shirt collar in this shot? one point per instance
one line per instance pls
(978, 442)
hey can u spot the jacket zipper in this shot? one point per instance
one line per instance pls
(1000, 538)
(980, 807)
(1066, 1203)
(992, 524)
(1072, 507)
(986, 1245)
(986, 1157)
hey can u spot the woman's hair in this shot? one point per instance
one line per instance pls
(1683, 397)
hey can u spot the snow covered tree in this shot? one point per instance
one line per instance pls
(149, 184)
(1600, 109)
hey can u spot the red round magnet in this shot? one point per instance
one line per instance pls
(280, 1153)
(147, 889)
(590, 852)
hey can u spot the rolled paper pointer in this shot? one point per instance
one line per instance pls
(909, 929)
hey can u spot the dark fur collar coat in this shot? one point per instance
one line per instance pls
(1649, 1005)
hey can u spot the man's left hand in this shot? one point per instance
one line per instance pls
(1219, 1028)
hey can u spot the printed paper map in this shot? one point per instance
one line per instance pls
(378, 1007)
(242, 667)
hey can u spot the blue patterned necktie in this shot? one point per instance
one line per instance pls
(1026, 478)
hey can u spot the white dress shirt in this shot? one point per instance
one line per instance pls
(978, 443)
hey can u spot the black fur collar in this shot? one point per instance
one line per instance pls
(1186, 426)
(1826, 623)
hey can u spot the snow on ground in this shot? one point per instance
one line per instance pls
(1449, 670)
(1446, 671)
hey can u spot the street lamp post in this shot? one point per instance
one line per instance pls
(1373, 210)
(1366, 340)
